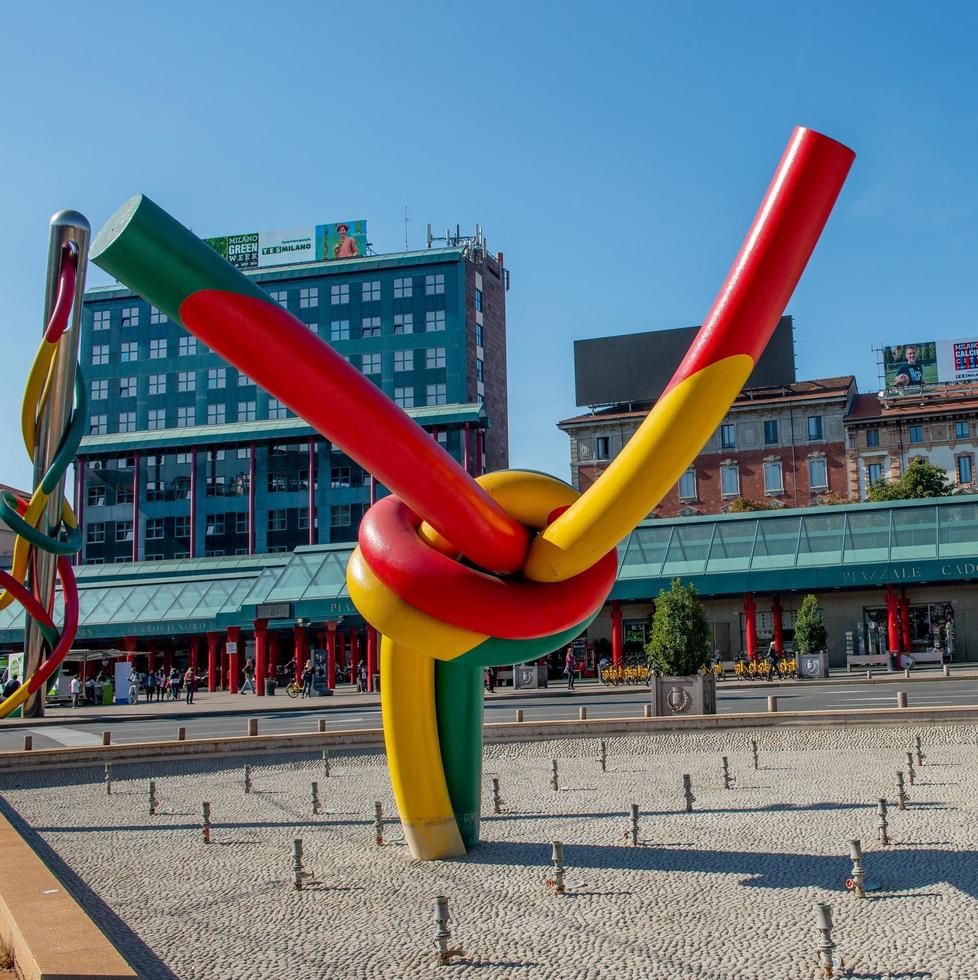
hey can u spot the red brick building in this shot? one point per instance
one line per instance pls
(781, 444)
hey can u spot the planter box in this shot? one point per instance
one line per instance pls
(694, 695)
(528, 676)
(812, 665)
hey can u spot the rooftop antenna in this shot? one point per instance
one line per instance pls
(406, 220)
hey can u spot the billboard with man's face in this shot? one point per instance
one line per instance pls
(931, 362)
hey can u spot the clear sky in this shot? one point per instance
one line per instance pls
(615, 152)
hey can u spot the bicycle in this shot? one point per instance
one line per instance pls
(294, 689)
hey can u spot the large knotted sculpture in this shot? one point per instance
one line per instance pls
(540, 558)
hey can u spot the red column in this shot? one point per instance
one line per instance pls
(234, 647)
(354, 654)
(151, 659)
(167, 657)
(213, 681)
(193, 503)
(750, 615)
(617, 639)
(261, 655)
(299, 651)
(893, 623)
(371, 656)
(778, 628)
(905, 620)
(312, 491)
(331, 654)
(195, 654)
(129, 644)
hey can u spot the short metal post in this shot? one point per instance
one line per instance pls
(647, 711)
(152, 797)
(519, 714)
(28, 743)
(181, 734)
(901, 699)
(911, 772)
(325, 762)
(727, 778)
(920, 750)
(108, 779)
(314, 797)
(604, 756)
(322, 726)
(582, 713)
(947, 671)
(882, 829)
(902, 796)
(252, 726)
(858, 877)
(869, 675)
(297, 864)
(205, 821)
(497, 803)
(753, 748)
(247, 779)
(379, 824)
(106, 738)
(688, 792)
(554, 784)
(825, 948)
(772, 703)
(559, 870)
(634, 825)
(443, 935)
(906, 673)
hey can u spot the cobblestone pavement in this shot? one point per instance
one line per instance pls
(725, 892)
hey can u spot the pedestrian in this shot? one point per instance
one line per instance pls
(160, 684)
(174, 682)
(150, 684)
(772, 661)
(11, 686)
(75, 688)
(570, 667)
(249, 675)
(362, 678)
(191, 681)
(490, 680)
(307, 680)
(89, 690)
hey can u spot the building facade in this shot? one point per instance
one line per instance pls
(885, 432)
(783, 445)
(187, 457)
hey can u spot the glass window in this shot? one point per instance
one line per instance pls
(339, 294)
(687, 485)
(157, 384)
(130, 316)
(123, 530)
(728, 436)
(157, 348)
(186, 381)
(154, 528)
(95, 533)
(404, 360)
(244, 381)
(339, 515)
(278, 482)
(124, 493)
(308, 297)
(872, 438)
(773, 482)
(729, 481)
(100, 389)
(186, 346)
(480, 369)
(247, 412)
(241, 522)
(156, 418)
(370, 327)
(98, 425)
(478, 301)
(215, 414)
(370, 363)
(101, 319)
(127, 387)
(434, 357)
(303, 518)
(818, 476)
(814, 427)
(95, 496)
(960, 430)
(434, 285)
(436, 394)
(217, 378)
(339, 476)
(215, 525)
(157, 316)
(278, 520)
(874, 473)
(602, 447)
(339, 330)
(185, 416)
(276, 410)
(281, 296)
(916, 433)
(434, 320)
(100, 354)
(966, 469)
(403, 323)
(403, 288)
(478, 335)
(370, 291)
(771, 432)
(129, 351)
(404, 397)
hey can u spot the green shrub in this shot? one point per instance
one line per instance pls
(810, 632)
(682, 639)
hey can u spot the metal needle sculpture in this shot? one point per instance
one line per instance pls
(540, 558)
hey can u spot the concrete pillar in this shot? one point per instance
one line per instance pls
(299, 650)
(750, 619)
(371, 656)
(213, 681)
(129, 645)
(331, 654)
(261, 655)
(617, 637)
(778, 628)
(234, 654)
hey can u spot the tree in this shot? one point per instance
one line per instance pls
(744, 505)
(919, 480)
(810, 635)
(832, 498)
(681, 636)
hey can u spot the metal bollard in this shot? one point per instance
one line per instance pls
(604, 756)
(314, 797)
(911, 772)
(28, 743)
(519, 714)
(325, 762)
(906, 673)
(869, 675)
(252, 726)
(106, 738)
(902, 797)
(772, 703)
(688, 792)
(882, 829)
(947, 671)
(825, 948)
(108, 779)
(321, 728)
(634, 831)
(181, 734)
(497, 803)
(647, 712)
(205, 821)
(728, 780)
(247, 779)
(901, 699)
(152, 797)
(582, 713)
(297, 873)
(920, 750)
(559, 870)
(379, 824)
(753, 748)
(443, 936)
(858, 877)
(554, 784)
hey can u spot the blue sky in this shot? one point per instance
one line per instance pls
(615, 152)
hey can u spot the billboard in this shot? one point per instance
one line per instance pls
(314, 243)
(928, 362)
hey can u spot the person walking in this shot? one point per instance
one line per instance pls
(570, 667)
(249, 675)
(89, 690)
(174, 683)
(490, 680)
(362, 678)
(307, 680)
(191, 681)
(772, 661)
(75, 688)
